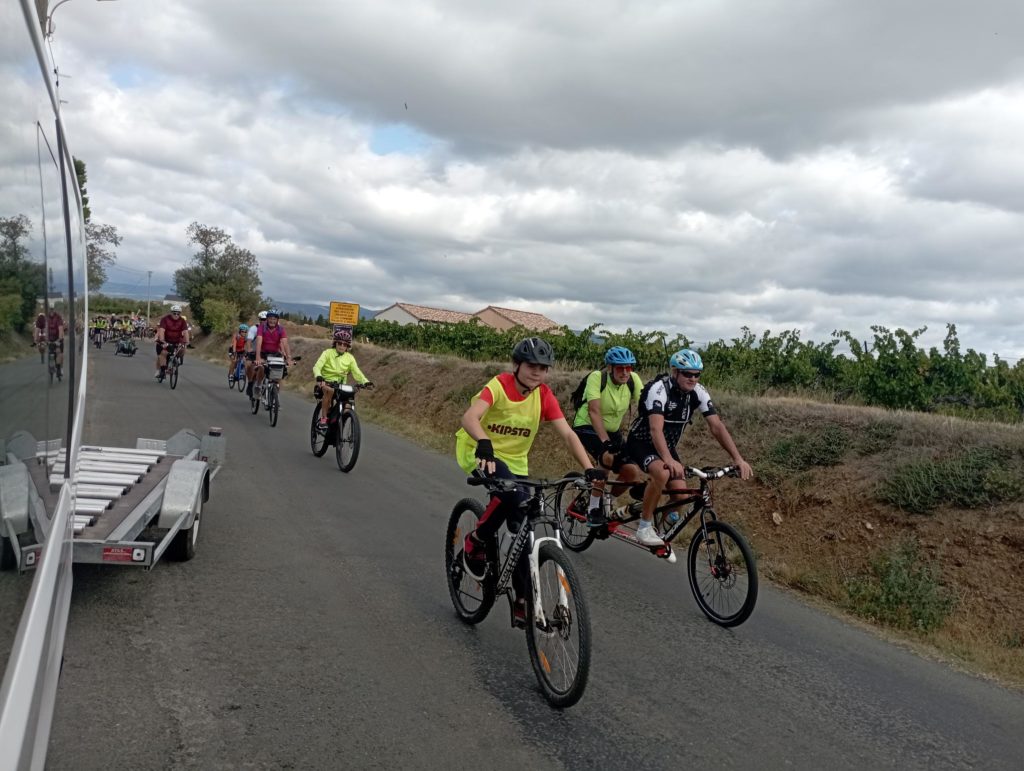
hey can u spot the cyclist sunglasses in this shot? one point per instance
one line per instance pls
(694, 375)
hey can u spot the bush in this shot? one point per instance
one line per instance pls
(979, 476)
(10, 312)
(901, 590)
(220, 316)
(802, 451)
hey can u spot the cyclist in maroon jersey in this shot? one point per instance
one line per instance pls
(171, 331)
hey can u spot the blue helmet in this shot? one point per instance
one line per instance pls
(243, 327)
(686, 359)
(619, 356)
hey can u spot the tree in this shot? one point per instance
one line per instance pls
(80, 173)
(219, 270)
(21, 280)
(98, 237)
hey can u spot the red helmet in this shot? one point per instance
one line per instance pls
(343, 336)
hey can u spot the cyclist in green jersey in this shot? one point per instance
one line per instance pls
(334, 366)
(608, 395)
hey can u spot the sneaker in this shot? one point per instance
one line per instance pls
(645, 534)
(321, 425)
(596, 518)
(474, 558)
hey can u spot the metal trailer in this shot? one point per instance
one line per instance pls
(131, 506)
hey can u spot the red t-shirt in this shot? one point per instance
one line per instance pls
(272, 338)
(173, 328)
(239, 343)
(54, 325)
(550, 409)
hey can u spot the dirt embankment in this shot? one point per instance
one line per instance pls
(815, 515)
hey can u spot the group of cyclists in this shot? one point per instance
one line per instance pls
(113, 326)
(268, 337)
(500, 425)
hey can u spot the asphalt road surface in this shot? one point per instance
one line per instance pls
(313, 630)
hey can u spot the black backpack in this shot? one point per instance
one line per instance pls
(576, 399)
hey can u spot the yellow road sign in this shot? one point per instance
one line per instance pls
(345, 313)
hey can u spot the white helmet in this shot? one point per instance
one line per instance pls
(175, 309)
(262, 315)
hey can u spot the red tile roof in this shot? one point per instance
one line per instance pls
(425, 313)
(535, 321)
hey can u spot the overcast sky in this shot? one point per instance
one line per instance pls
(693, 166)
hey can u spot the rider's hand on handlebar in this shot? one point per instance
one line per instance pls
(746, 472)
(595, 474)
(485, 456)
(675, 469)
(319, 379)
(368, 384)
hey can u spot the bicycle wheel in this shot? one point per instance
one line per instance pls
(560, 645)
(240, 379)
(317, 442)
(346, 449)
(577, 535)
(273, 405)
(472, 599)
(172, 375)
(723, 574)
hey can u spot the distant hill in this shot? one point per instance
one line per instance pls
(135, 290)
(312, 310)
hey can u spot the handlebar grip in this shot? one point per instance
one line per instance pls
(476, 481)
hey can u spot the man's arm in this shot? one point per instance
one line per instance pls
(561, 426)
(597, 418)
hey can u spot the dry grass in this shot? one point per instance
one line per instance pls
(832, 522)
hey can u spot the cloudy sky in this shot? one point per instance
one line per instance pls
(693, 165)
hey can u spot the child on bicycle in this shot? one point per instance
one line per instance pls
(238, 344)
(334, 366)
(497, 433)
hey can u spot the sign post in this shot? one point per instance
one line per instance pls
(344, 315)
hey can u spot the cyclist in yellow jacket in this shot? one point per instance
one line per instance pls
(334, 366)
(497, 432)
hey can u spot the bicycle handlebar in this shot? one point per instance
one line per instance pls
(713, 472)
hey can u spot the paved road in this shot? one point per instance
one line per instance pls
(313, 630)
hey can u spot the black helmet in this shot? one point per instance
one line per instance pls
(533, 350)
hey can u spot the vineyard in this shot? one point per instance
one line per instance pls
(891, 370)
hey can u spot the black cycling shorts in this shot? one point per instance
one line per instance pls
(643, 453)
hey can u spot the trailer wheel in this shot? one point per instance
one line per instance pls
(7, 558)
(183, 547)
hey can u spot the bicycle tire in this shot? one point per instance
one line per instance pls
(172, 377)
(346, 449)
(254, 400)
(317, 442)
(577, 535)
(472, 599)
(567, 618)
(240, 381)
(273, 406)
(723, 567)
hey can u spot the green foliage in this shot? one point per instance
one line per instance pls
(901, 590)
(10, 312)
(119, 306)
(222, 316)
(805, 451)
(19, 275)
(80, 173)
(976, 477)
(220, 270)
(878, 436)
(888, 371)
(99, 253)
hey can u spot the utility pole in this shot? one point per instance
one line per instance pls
(149, 281)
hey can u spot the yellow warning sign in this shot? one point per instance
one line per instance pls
(344, 313)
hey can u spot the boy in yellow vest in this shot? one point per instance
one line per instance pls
(497, 432)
